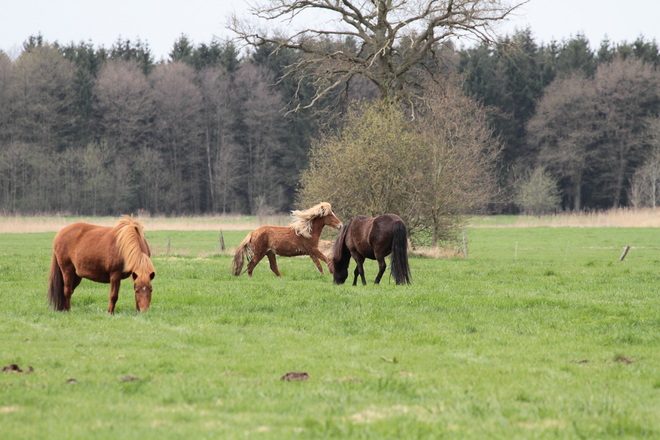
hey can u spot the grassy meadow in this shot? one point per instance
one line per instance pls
(540, 333)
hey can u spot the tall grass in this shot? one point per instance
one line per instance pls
(623, 217)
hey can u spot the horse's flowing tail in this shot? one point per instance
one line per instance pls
(56, 286)
(243, 250)
(400, 268)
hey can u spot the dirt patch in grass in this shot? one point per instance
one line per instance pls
(295, 376)
(14, 368)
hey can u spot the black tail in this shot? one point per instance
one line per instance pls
(56, 287)
(400, 268)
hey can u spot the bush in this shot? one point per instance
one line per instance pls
(539, 193)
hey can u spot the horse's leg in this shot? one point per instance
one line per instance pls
(356, 272)
(255, 260)
(315, 254)
(381, 267)
(273, 263)
(70, 283)
(115, 282)
(359, 259)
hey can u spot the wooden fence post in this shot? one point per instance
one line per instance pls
(625, 252)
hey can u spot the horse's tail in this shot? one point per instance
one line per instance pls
(243, 250)
(400, 268)
(56, 286)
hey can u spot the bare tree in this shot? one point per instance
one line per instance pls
(261, 109)
(564, 130)
(7, 96)
(628, 93)
(219, 103)
(43, 87)
(124, 105)
(179, 130)
(458, 155)
(395, 38)
(645, 181)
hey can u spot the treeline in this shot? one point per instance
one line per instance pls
(96, 131)
(587, 117)
(87, 130)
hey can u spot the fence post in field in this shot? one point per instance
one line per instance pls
(625, 252)
(515, 255)
(222, 242)
(168, 245)
(465, 249)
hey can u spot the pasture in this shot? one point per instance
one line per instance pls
(541, 333)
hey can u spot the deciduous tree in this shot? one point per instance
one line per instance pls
(395, 39)
(428, 171)
(565, 131)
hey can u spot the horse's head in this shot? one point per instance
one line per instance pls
(332, 220)
(341, 257)
(142, 285)
(339, 271)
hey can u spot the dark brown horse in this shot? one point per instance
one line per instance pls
(300, 238)
(373, 238)
(102, 254)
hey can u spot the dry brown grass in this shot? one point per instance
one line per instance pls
(622, 218)
(20, 224)
(438, 252)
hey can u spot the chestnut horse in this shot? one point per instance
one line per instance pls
(299, 238)
(102, 254)
(373, 238)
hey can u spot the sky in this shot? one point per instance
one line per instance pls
(160, 23)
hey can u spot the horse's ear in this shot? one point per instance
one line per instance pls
(134, 276)
(152, 275)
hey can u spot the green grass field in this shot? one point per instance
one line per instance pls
(541, 333)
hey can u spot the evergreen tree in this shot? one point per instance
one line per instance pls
(574, 56)
(127, 51)
(182, 50)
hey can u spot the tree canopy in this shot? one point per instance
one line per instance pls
(389, 42)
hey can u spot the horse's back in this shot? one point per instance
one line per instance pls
(382, 232)
(89, 248)
(282, 240)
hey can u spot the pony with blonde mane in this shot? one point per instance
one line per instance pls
(102, 254)
(301, 237)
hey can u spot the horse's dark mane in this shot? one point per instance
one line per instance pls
(339, 246)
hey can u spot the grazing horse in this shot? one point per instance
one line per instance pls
(373, 238)
(301, 237)
(102, 254)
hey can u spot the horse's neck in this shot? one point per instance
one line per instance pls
(317, 228)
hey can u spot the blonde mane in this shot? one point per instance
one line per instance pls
(128, 243)
(301, 221)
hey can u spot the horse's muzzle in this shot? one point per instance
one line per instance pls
(339, 226)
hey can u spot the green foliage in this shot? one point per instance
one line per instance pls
(429, 171)
(363, 168)
(128, 51)
(486, 347)
(538, 193)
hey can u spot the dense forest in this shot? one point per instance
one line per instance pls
(103, 131)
